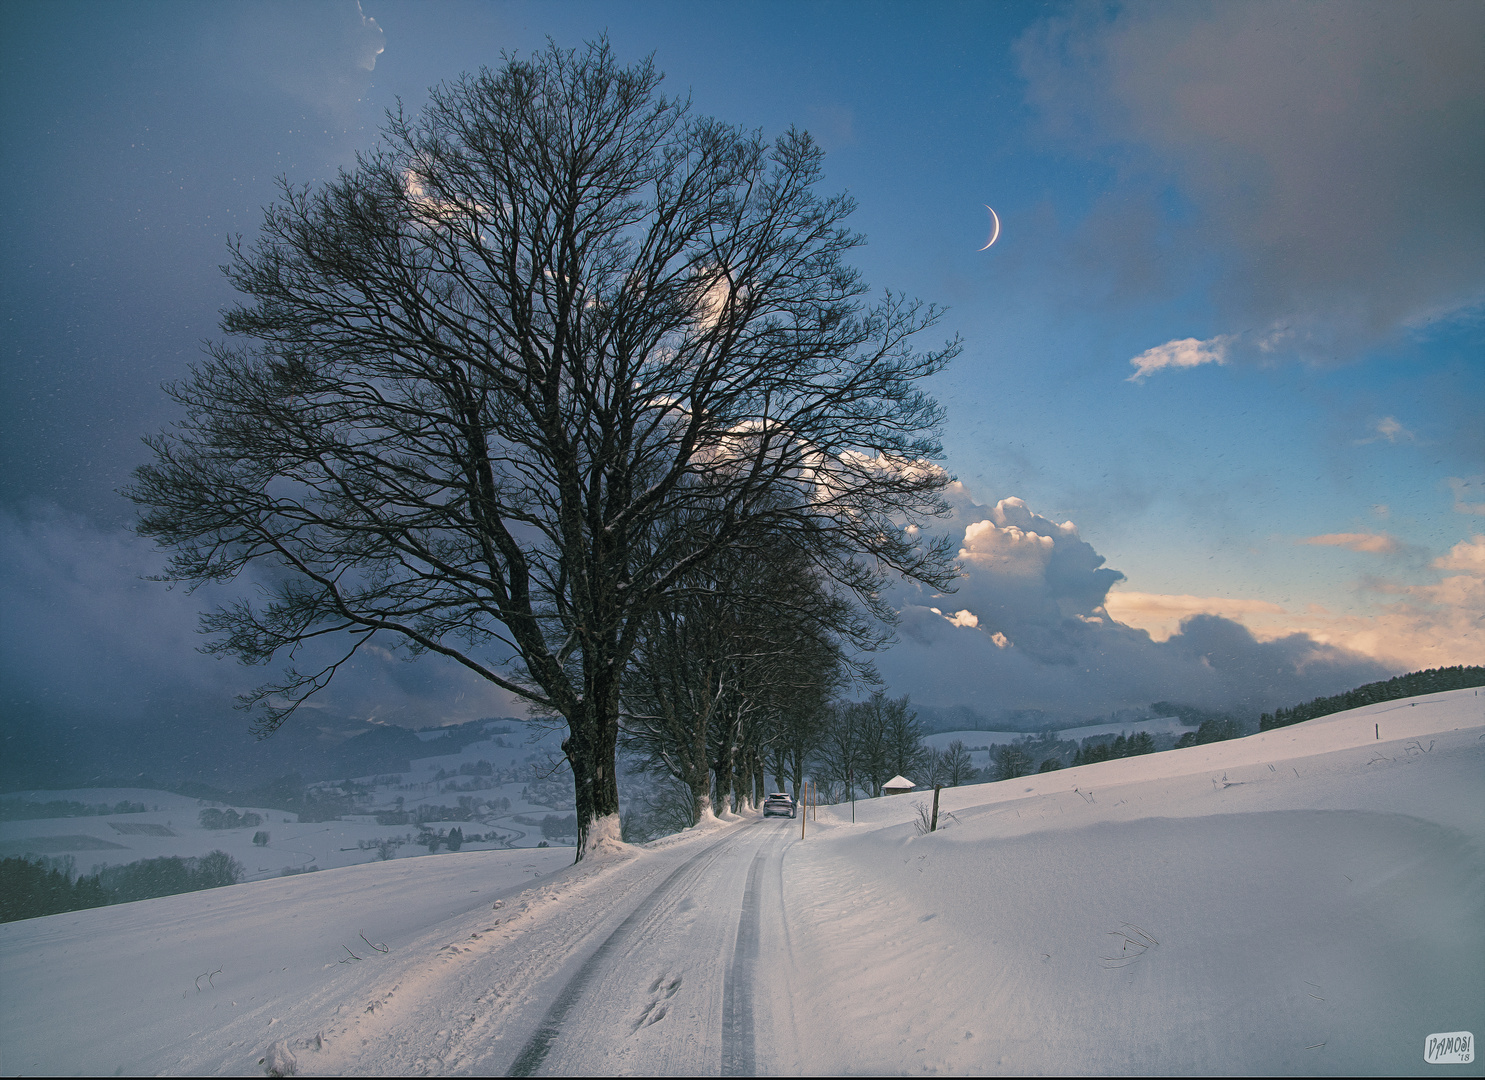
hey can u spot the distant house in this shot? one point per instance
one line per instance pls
(898, 785)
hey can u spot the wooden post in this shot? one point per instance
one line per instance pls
(1379, 732)
(933, 825)
(804, 810)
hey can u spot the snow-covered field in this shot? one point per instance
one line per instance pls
(1307, 900)
(171, 825)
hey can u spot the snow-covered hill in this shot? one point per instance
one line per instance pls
(1307, 900)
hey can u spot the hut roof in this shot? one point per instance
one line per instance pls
(898, 782)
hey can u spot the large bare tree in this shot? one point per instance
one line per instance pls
(493, 393)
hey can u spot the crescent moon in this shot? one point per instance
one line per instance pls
(994, 233)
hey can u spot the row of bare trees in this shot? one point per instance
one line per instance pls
(862, 745)
(730, 680)
(575, 389)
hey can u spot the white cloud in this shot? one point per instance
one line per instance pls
(1181, 353)
(1467, 555)
(370, 43)
(1374, 543)
(1390, 429)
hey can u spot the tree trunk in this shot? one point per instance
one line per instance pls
(591, 747)
(722, 772)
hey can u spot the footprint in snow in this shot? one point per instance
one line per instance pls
(661, 990)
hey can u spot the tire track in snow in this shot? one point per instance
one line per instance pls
(535, 1052)
(739, 1049)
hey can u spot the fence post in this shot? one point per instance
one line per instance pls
(933, 825)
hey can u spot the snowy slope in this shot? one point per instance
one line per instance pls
(1308, 900)
(117, 988)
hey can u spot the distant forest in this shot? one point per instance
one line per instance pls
(25, 810)
(46, 887)
(1402, 686)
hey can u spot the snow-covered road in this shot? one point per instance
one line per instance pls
(647, 966)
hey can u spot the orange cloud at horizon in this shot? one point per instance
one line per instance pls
(1375, 543)
(1424, 626)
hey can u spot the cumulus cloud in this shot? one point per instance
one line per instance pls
(964, 617)
(1328, 150)
(1035, 625)
(1028, 578)
(1374, 543)
(1007, 550)
(1181, 353)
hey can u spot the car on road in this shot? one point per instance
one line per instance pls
(778, 805)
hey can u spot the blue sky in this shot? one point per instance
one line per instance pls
(1293, 190)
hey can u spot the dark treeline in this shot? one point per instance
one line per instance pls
(1023, 755)
(22, 810)
(46, 887)
(288, 793)
(1141, 742)
(1431, 681)
(212, 818)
